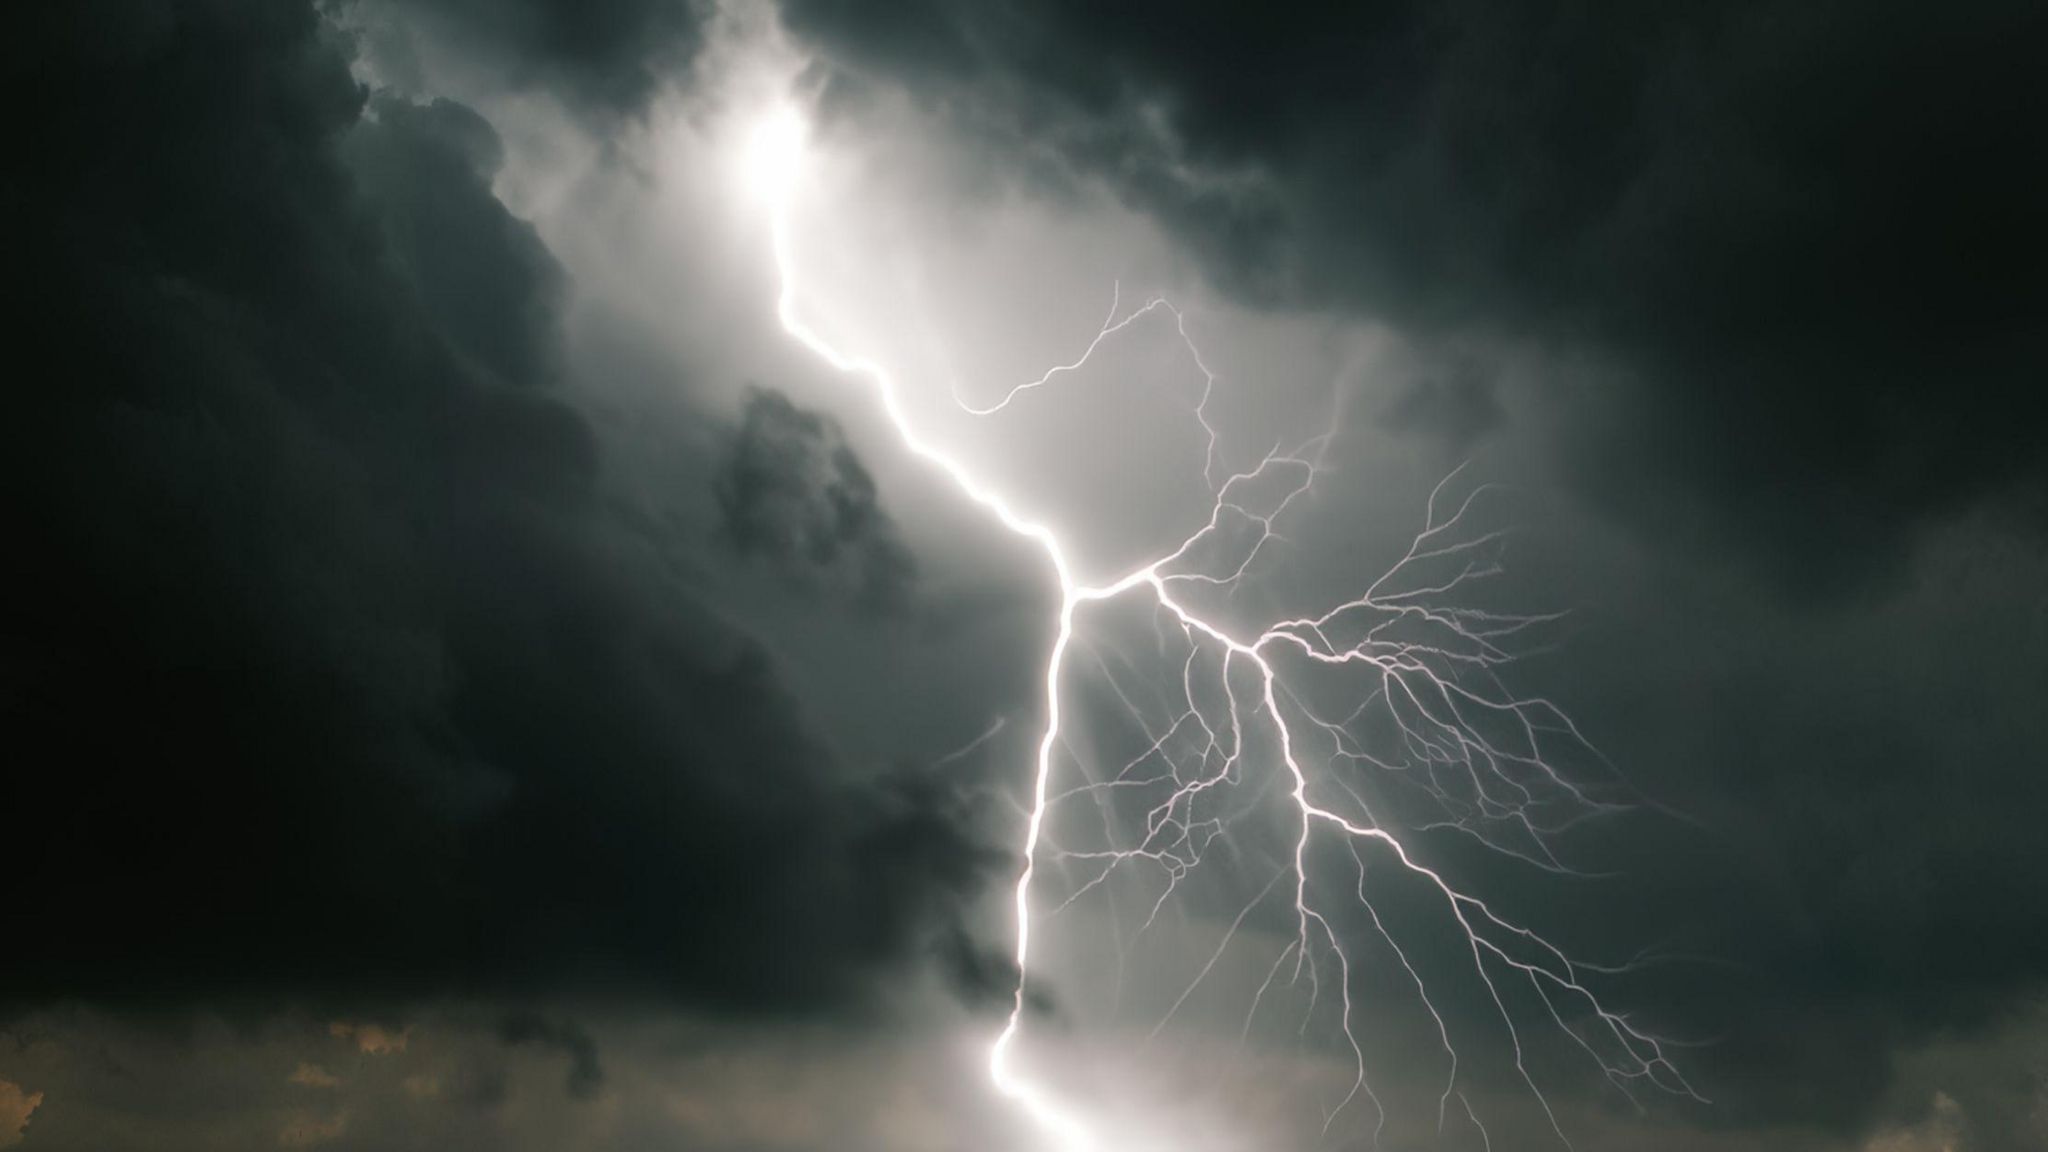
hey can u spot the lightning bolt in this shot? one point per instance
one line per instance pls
(1476, 750)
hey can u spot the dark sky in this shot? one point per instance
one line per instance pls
(470, 681)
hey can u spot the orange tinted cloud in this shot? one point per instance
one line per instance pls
(313, 1076)
(16, 1106)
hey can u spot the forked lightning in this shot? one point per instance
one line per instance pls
(1476, 751)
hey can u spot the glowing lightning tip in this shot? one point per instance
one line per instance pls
(775, 154)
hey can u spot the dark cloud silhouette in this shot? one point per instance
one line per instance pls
(489, 283)
(333, 672)
(1801, 239)
(791, 492)
(329, 676)
(605, 56)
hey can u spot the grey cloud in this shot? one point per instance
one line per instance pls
(792, 493)
(670, 1081)
(1456, 401)
(481, 272)
(606, 56)
(675, 1082)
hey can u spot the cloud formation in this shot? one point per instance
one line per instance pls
(791, 492)
(608, 57)
(1782, 258)
(347, 685)
(343, 677)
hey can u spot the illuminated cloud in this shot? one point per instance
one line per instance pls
(16, 1107)
(371, 1039)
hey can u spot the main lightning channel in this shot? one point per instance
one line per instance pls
(778, 157)
(1428, 678)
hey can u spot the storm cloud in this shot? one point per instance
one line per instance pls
(329, 674)
(792, 493)
(608, 58)
(1785, 260)
(1760, 285)
(465, 682)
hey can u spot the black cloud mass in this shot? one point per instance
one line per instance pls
(327, 676)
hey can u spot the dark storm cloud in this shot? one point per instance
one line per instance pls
(108, 1081)
(609, 56)
(791, 492)
(327, 677)
(1804, 239)
(480, 272)
(1870, 772)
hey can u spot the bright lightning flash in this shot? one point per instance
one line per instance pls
(775, 157)
(1477, 750)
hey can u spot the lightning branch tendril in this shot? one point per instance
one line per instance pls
(1479, 753)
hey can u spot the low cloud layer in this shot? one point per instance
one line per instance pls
(16, 1109)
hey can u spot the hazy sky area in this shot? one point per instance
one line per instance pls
(472, 680)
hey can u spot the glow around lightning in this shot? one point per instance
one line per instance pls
(1477, 751)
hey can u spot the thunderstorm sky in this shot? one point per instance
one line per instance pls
(473, 680)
